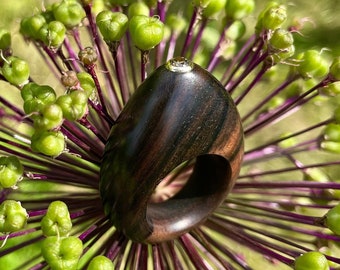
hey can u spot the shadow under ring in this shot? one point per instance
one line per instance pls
(179, 113)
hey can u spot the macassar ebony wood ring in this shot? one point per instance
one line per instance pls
(179, 113)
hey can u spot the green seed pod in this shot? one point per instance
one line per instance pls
(138, 8)
(36, 97)
(50, 117)
(146, 32)
(16, 71)
(238, 9)
(315, 174)
(332, 219)
(236, 30)
(11, 171)
(88, 56)
(281, 39)
(5, 39)
(73, 105)
(62, 253)
(57, 221)
(312, 260)
(52, 34)
(330, 146)
(30, 26)
(70, 13)
(13, 217)
(332, 132)
(86, 83)
(334, 70)
(100, 263)
(213, 7)
(49, 143)
(271, 18)
(312, 64)
(112, 25)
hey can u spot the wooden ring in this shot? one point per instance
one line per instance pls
(179, 113)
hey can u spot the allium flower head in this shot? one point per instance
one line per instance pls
(168, 136)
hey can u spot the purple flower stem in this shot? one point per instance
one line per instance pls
(172, 45)
(52, 56)
(198, 39)
(259, 124)
(72, 55)
(190, 32)
(76, 36)
(52, 65)
(159, 52)
(131, 60)
(117, 57)
(270, 96)
(244, 51)
(217, 51)
(144, 62)
(62, 56)
(89, 126)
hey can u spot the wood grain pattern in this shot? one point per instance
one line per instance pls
(171, 118)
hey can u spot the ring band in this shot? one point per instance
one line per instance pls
(179, 113)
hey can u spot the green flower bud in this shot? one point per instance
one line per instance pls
(238, 9)
(13, 217)
(112, 25)
(73, 105)
(11, 171)
(332, 219)
(334, 69)
(312, 64)
(16, 71)
(146, 32)
(5, 39)
(213, 7)
(330, 146)
(86, 83)
(331, 89)
(281, 39)
(315, 174)
(53, 34)
(70, 13)
(311, 260)
(282, 54)
(50, 117)
(176, 23)
(138, 8)
(30, 26)
(62, 253)
(49, 143)
(271, 18)
(37, 97)
(100, 263)
(57, 221)
(88, 56)
(236, 30)
(332, 132)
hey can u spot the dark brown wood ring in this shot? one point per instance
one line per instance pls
(179, 113)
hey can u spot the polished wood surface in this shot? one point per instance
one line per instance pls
(172, 117)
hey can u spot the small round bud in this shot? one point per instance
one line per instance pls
(86, 83)
(138, 8)
(100, 263)
(62, 253)
(281, 39)
(146, 32)
(49, 143)
(30, 26)
(5, 39)
(334, 70)
(69, 79)
(70, 13)
(50, 117)
(330, 146)
(73, 105)
(88, 56)
(11, 171)
(315, 174)
(112, 25)
(312, 64)
(238, 9)
(271, 18)
(13, 217)
(213, 7)
(332, 219)
(16, 71)
(311, 260)
(57, 221)
(332, 132)
(36, 97)
(52, 34)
